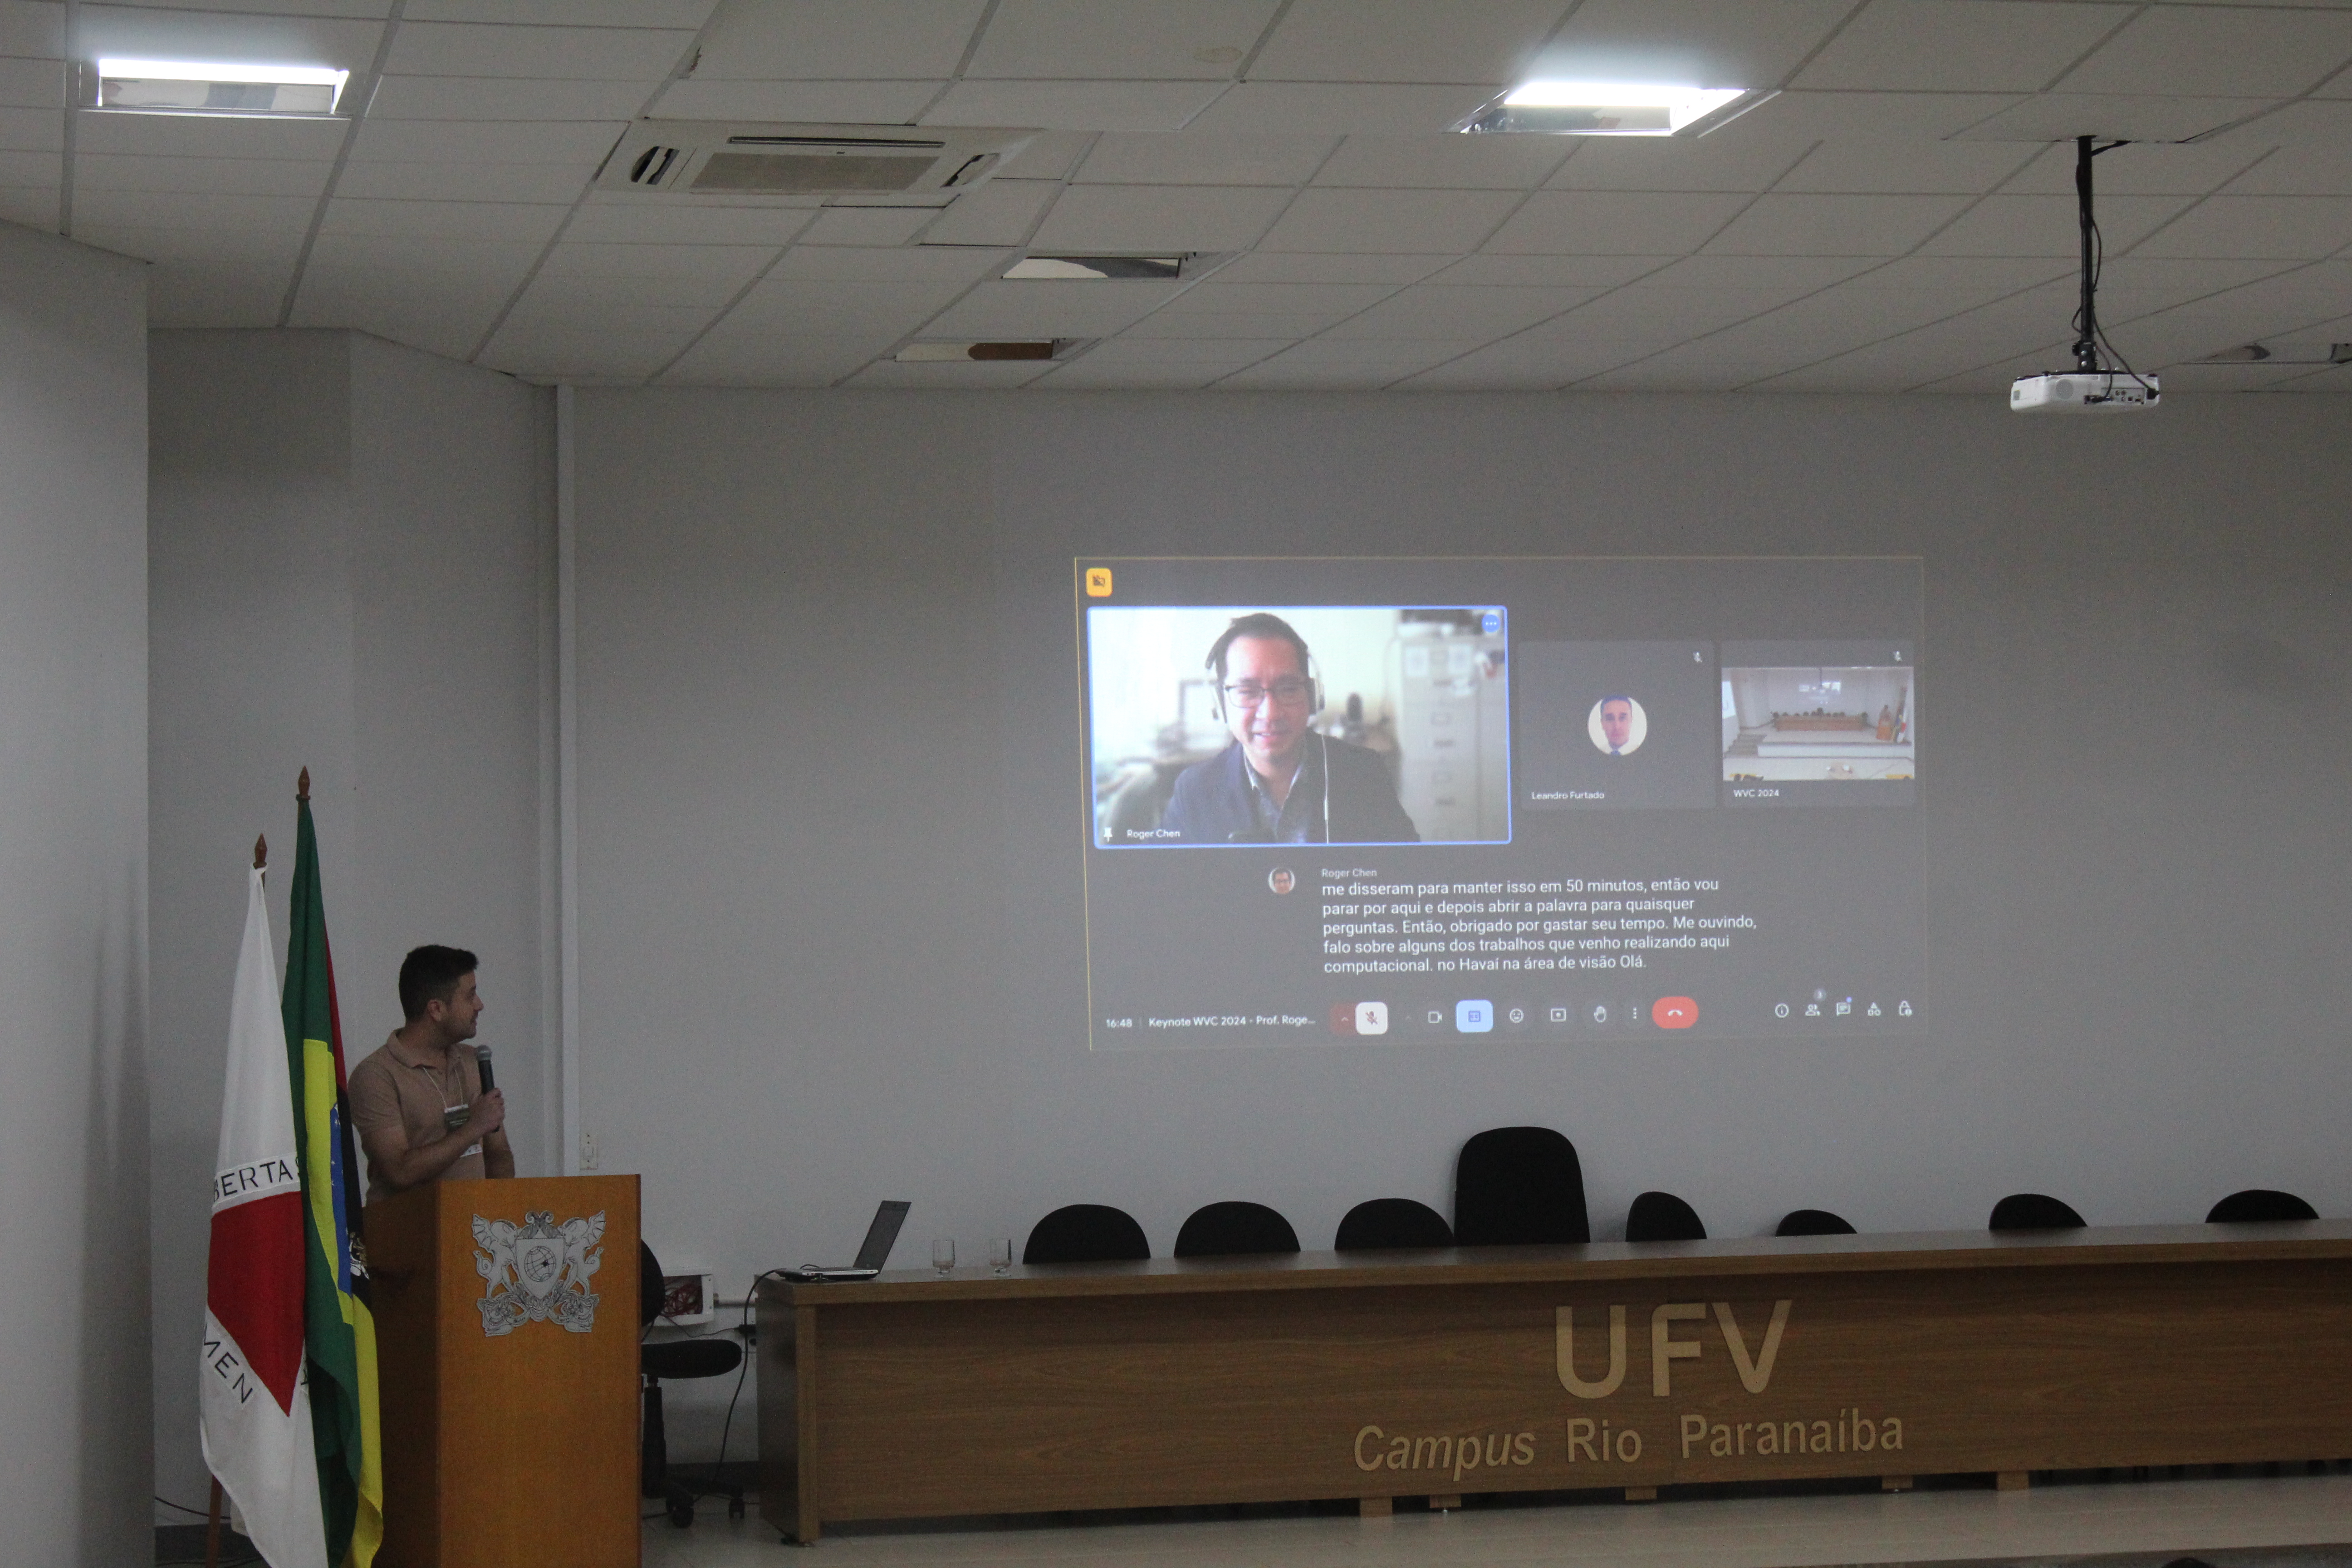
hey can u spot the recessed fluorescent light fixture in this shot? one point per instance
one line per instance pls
(213, 87)
(1164, 268)
(1612, 109)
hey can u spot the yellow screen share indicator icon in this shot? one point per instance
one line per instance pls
(1097, 582)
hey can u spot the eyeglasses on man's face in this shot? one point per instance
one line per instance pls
(1290, 691)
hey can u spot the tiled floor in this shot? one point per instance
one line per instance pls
(2238, 1522)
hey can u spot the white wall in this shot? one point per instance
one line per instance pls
(74, 1376)
(350, 551)
(829, 821)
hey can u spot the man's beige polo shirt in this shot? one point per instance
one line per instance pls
(398, 1088)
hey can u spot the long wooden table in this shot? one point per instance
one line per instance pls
(1383, 1374)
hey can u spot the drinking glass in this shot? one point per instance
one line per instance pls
(944, 1254)
(999, 1254)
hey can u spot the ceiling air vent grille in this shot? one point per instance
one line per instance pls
(732, 161)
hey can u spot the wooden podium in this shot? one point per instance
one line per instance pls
(506, 1320)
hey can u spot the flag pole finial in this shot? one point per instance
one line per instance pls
(260, 851)
(302, 785)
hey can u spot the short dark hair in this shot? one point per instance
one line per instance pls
(1260, 624)
(430, 974)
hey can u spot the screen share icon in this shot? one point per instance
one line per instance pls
(1474, 1018)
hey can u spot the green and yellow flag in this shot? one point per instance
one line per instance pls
(340, 1330)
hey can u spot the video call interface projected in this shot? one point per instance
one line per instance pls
(1448, 801)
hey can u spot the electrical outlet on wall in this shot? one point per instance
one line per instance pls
(587, 1151)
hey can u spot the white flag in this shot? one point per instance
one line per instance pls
(256, 1401)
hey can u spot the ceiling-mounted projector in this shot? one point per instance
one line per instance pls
(2093, 385)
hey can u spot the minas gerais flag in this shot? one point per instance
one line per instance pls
(340, 1330)
(254, 1399)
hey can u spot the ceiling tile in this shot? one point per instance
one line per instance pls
(493, 221)
(1614, 223)
(883, 311)
(1966, 280)
(224, 251)
(2003, 224)
(2311, 122)
(1073, 105)
(2150, 284)
(1868, 116)
(32, 84)
(848, 39)
(997, 373)
(377, 9)
(1039, 308)
(1548, 271)
(504, 98)
(1334, 300)
(1976, 45)
(1794, 274)
(1889, 167)
(1287, 325)
(1120, 39)
(32, 130)
(1082, 376)
(737, 357)
(1806, 224)
(1308, 267)
(713, 270)
(1459, 314)
(1321, 363)
(1420, 222)
(585, 297)
(228, 177)
(195, 210)
(588, 355)
(541, 312)
(2142, 169)
(2063, 116)
(1257, 108)
(1475, 41)
(1445, 161)
(688, 13)
(193, 136)
(33, 28)
(580, 142)
(591, 54)
(1723, 161)
(1707, 43)
(542, 183)
(1001, 212)
(821, 102)
(2215, 52)
(654, 222)
(1148, 218)
(1514, 364)
(2287, 228)
(1191, 158)
(943, 267)
(427, 254)
(2295, 171)
(1050, 155)
(1230, 352)
(444, 327)
(868, 225)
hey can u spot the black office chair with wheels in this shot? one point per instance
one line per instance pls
(1813, 1222)
(2032, 1211)
(2259, 1205)
(1518, 1186)
(1379, 1223)
(1662, 1216)
(1087, 1233)
(1231, 1229)
(713, 1357)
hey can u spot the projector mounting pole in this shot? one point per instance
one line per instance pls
(2086, 347)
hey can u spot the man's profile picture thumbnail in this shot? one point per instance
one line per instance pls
(1281, 880)
(1618, 726)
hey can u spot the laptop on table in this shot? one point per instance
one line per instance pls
(880, 1236)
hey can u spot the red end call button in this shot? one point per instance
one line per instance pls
(1673, 1011)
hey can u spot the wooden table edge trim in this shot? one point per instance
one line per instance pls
(1763, 1255)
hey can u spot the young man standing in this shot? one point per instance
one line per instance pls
(418, 1103)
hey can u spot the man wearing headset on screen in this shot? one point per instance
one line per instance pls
(1280, 782)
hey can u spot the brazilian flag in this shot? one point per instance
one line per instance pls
(340, 1331)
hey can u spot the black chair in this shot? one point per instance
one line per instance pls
(2032, 1211)
(1087, 1233)
(1813, 1222)
(1518, 1186)
(1662, 1216)
(1382, 1222)
(1228, 1229)
(2259, 1205)
(712, 1357)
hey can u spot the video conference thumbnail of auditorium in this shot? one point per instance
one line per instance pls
(1384, 802)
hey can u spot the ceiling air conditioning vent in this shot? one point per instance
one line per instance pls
(733, 160)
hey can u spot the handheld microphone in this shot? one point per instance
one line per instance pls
(482, 1061)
